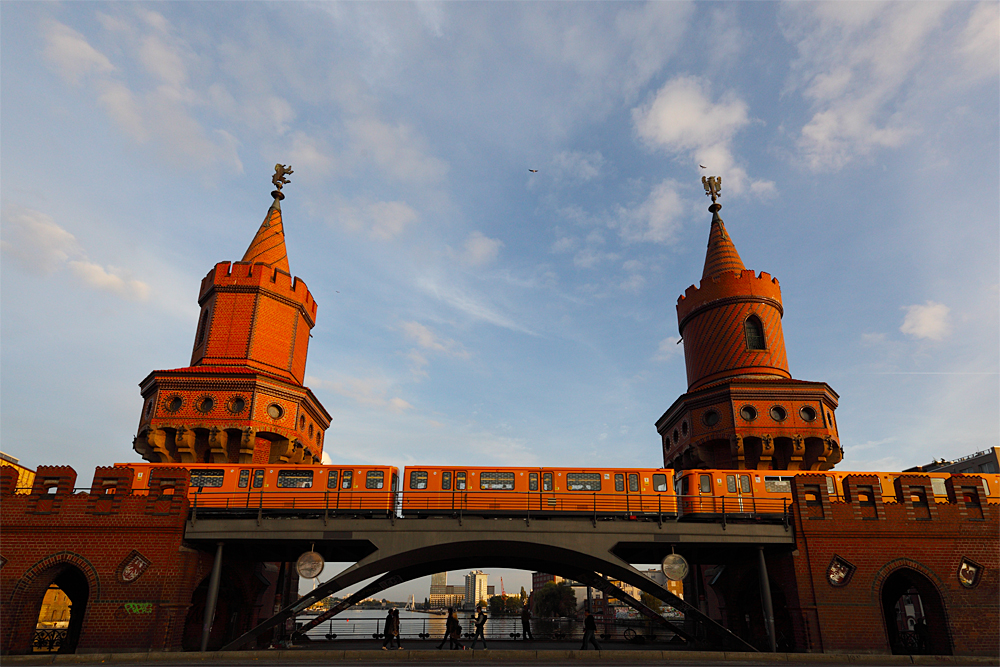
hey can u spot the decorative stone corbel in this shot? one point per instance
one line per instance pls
(766, 451)
(798, 450)
(153, 446)
(185, 441)
(281, 451)
(247, 443)
(738, 452)
(217, 440)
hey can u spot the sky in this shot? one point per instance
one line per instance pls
(472, 311)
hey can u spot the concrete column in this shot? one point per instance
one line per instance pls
(212, 598)
(765, 595)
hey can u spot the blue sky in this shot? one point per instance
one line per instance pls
(469, 310)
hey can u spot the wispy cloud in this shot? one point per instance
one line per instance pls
(480, 250)
(930, 320)
(683, 120)
(466, 302)
(373, 391)
(856, 61)
(39, 245)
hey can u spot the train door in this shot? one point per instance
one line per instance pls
(739, 494)
(250, 488)
(455, 483)
(633, 499)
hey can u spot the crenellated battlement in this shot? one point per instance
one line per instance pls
(727, 285)
(255, 275)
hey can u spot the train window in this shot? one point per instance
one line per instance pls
(497, 481)
(633, 484)
(986, 487)
(348, 474)
(460, 481)
(619, 482)
(258, 479)
(244, 479)
(831, 488)
(395, 482)
(937, 486)
(375, 479)
(731, 483)
(745, 483)
(207, 478)
(778, 484)
(583, 481)
(331, 481)
(547, 481)
(532, 481)
(706, 483)
(418, 479)
(446, 481)
(659, 482)
(295, 479)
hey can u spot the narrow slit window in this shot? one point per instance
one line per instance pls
(755, 333)
(446, 481)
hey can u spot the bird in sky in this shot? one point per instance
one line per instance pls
(533, 171)
(703, 166)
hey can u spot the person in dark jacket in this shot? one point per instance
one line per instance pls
(387, 630)
(447, 628)
(456, 632)
(589, 632)
(526, 623)
(480, 629)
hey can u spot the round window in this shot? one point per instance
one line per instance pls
(807, 413)
(310, 430)
(666, 440)
(205, 404)
(711, 418)
(236, 405)
(684, 428)
(149, 408)
(748, 412)
(302, 423)
(778, 413)
(675, 435)
(274, 411)
(173, 403)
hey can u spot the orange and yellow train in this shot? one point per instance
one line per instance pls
(490, 491)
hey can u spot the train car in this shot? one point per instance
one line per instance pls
(218, 487)
(437, 490)
(711, 493)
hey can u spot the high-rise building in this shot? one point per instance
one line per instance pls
(439, 582)
(242, 399)
(743, 410)
(476, 589)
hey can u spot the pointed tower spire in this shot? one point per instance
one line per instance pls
(268, 246)
(721, 256)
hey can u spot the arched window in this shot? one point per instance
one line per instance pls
(755, 333)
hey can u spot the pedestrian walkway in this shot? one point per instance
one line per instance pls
(510, 653)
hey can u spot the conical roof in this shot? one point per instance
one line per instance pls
(268, 246)
(721, 256)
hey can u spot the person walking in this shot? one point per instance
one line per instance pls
(589, 632)
(456, 633)
(447, 628)
(526, 623)
(396, 628)
(480, 629)
(387, 630)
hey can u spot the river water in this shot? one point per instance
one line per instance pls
(363, 623)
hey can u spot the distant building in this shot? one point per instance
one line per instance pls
(675, 587)
(491, 591)
(539, 579)
(439, 582)
(25, 476)
(987, 460)
(475, 589)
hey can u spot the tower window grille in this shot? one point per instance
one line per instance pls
(755, 333)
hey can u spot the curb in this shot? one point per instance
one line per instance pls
(356, 655)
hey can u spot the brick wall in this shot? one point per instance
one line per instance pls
(879, 539)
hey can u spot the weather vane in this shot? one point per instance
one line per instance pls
(280, 171)
(713, 186)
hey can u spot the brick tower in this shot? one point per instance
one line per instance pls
(743, 409)
(242, 399)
